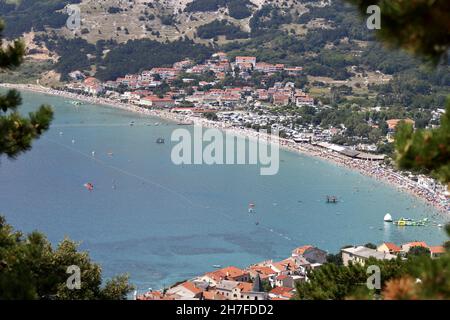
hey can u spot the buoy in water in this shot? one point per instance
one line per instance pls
(388, 218)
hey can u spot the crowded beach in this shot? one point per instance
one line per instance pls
(372, 169)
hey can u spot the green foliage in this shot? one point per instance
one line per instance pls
(419, 26)
(415, 88)
(434, 275)
(221, 28)
(426, 149)
(21, 16)
(267, 18)
(31, 269)
(334, 282)
(419, 251)
(335, 259)
(267, 287)
(17, 132)
(238, 9)
(73, 53)
(138, 55)
(29, 72)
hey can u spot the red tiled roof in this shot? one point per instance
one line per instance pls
(245, 287)
(191, 287)
(212, 295)
(266, 271)
(393, 123)
(228, 272)
(437, 249)
(392, 247)
(300, 251)
(416, 244)
(280, 290)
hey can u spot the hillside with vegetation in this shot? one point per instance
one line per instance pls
(328, 38)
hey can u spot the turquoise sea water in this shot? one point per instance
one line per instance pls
(163, 223)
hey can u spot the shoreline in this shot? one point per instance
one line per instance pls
(370, 169)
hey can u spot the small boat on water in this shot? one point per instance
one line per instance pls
(160, 141)
(332, 199)
(388, 218)
(406, 222)
(217, 266)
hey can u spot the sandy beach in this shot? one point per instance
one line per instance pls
(371, 169)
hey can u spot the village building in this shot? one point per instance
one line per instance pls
(437, 251)
(92, 86)
(389, 247)
(228, 273)
(361, 254)
(393, 123)
(244, 60)
(235, 290)
(185, 291)
(157, 102)
(407, 246)
(281, 99)
(281, 293)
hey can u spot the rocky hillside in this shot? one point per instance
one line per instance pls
(123, 20)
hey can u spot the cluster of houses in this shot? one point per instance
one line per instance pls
(275, 280)
(244, 106)
(252, 283)
(386, 251)
(138, 88)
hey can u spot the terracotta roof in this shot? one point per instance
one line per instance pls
(245, 286)
(416, 244)
(266, 271)
(228, 272)
(393, 123)
(212, 295)
(392, 247)
(155, 295)
(300, 251)
(437, 249)
(191, 287)
(280, 290)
